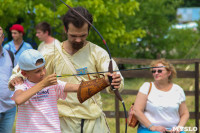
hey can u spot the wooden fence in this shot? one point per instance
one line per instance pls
(117, 114)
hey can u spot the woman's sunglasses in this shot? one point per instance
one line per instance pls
(159, 71)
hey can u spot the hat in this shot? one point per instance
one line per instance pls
(17, 27)
(28, 59)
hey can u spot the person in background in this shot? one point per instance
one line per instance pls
(164, 109)
(43, 32)
(7, 106)
(48, 44)
(17, 45)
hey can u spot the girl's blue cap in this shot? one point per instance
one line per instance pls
(28, 59)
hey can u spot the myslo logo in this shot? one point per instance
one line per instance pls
(184, 129)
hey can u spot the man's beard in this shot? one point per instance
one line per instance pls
(77, 46)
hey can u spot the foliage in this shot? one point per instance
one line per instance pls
(109, 18)
(156, 17)
(191, 3)
(131, 28)
(183, 43)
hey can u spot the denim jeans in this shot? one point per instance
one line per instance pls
(146, 130)
(6, 120)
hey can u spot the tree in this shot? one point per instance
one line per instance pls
(183, 43)
(109, 18)
(156, 18)
(191, 3)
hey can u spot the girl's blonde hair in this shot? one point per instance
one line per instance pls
(168, 67)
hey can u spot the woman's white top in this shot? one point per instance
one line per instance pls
(162, 108)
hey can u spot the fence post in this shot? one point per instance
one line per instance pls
(117, 122)
(197, 96)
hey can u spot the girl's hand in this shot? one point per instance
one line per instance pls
(49, 80)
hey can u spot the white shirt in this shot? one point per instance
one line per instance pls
(46, 48)
(162, 108)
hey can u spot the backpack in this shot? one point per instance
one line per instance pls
(11, 57)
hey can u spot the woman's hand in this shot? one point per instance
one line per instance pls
(158, 128)
(130, 114)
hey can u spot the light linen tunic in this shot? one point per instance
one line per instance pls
(93, 57)
(44, 48)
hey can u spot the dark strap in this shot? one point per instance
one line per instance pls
(19, 48)
(82, 124)
(11, 57)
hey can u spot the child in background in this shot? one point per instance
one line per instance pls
(37, 96)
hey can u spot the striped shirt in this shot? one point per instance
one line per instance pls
(40, 113)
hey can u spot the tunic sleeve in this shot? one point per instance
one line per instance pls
(102, 64)
(60, 90)
(50, 62)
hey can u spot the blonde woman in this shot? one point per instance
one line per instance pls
(164, 109)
